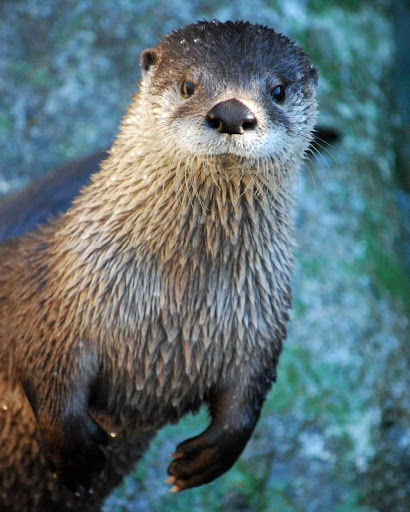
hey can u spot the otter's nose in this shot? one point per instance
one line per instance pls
(231, 116)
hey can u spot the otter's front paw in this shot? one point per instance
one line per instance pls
(203, 458)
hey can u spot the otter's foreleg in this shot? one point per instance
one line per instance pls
(70, 439)
(234, 412)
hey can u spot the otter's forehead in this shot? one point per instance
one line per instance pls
(230, 49)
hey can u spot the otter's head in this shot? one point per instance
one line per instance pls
(218, 89)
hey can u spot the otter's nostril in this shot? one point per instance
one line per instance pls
(214, 122)
(249, 125)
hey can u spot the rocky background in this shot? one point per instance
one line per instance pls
(335, 432)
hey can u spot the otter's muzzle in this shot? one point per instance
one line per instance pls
(232, 117)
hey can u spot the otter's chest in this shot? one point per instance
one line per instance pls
(195, 319)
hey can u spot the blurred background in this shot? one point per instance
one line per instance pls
(335, 430)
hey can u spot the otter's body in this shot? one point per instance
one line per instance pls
(166, 284)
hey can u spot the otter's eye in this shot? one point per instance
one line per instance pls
(187, 89)
(279, 94)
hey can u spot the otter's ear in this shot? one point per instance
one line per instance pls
(148, 59)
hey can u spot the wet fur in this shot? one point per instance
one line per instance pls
(164, 286)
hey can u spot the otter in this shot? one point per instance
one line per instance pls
(166, 284)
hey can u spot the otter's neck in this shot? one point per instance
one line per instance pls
(147, 201)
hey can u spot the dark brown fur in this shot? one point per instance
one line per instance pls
(166, 284)
(46, 196)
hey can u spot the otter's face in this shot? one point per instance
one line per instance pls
(230, 89)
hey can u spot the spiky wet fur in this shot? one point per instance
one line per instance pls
(167, 279)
